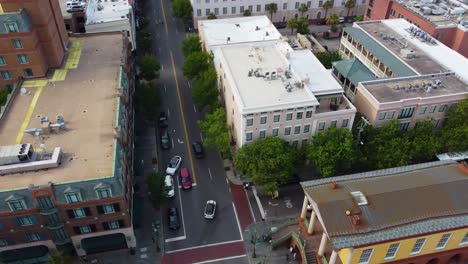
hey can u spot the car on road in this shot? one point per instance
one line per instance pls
(210, 209)
(185, 179)
(197, 147)
(173, 165)
(75, 8)
(341, 19)
(163, 121)
(173, 217)
(169, 186)
(165, 140)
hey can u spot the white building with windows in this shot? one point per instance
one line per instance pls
(286, 9)
(269, 88)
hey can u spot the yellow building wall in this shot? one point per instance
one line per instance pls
(406, 245)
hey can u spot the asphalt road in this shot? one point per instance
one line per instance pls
(183, 116)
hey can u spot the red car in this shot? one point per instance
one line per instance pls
(185, 178)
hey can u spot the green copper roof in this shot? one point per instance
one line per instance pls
(391, 61)
(20, 18)
(354, 71)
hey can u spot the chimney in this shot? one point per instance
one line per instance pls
(355, 220)
(333, 186)
(463, 167)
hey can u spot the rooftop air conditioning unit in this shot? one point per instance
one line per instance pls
(408, 54)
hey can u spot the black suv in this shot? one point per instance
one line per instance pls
(173, 217)
(198, 149)
(165, 140)
(163, 122)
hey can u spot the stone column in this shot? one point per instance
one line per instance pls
(310, 229)
(333, 257)
(304, 207)
(323, 242)
(350, 256)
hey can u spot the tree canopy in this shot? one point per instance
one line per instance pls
(196, 63)
(182, 9)
(424, 143)
(303, 25)
(205, 91)
(149, 66)
(247, 12)
(158, 188)
(327, 5)
(303, 9)
(191, 44)
(212, 16)
(215, 132)
(328, 57)
(332, 151)
(292, 24)
(332, 21)
(269, 162)
(454, 133)
(349, 5)
(148, 98)
(59, 258)
(271, 8)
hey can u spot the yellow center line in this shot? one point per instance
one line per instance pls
(28, 114)
(164, 16)
(181, 108)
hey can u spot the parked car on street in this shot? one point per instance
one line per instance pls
(173, 217)
(163, 121)
(173, 165)
(185, 179)
(165, 140)
(198, 149)
(170, 186)
(75, 8)
(210, 209)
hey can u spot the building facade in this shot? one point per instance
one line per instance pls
(447, 21)
(393, 72)
(269, 88)
(389, 216)
(33, 39)
(286, 9)
(79, 199)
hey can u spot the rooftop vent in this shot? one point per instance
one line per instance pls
(257, 28)
(359, 197)
(237, 25)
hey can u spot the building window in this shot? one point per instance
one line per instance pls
(103, 193)
(418, 246)
(17, 44)
(2, 60)
(365, 256)
(207, 12)
(3, 242)
(382, 115)
(248, 136)
(392, 250)
(285, 6)
(45, 202)
(439, 36)
(442, 108)
(250, 8)
(296, 6)
(406, 112)
(436, 123)
(404, 125)
(287, 131)
(22, 58)
(345, 123)
(250, 122)
(216, 11)
(321, 126)
(28, 72)
(308, 114)
(320, 5)
(108, 209)
(259, 8)
(369, 12)
(276, 118)
(25, 221)
(33, 237)
(233, 10)
(443, 241)
(288, 116)
(333, 123)
(199, 12)
(309, 4)
(371, 3)
(5, 75)
(73, 197)
(79, 213)
(392, 12)
(17, 205)
(263, 120)
(11, 27)
(297, 130)
(241, 9)
(464, 240)
(390, 115)
(85, 229)
(224, 10)
(274, 132)
(306, 128)
(432, 109)
(422, 111)
(112, 225)
(299, 116)
(207, 1)
(261, 134)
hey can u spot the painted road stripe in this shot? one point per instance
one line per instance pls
(209, 245)
(189, 150)
(34, 83)
(237, 218)
(59, 75)
(27, 118)
(164, 17)
(220, 259)
(175, 239)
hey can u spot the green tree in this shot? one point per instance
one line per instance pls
(158, 188)
(328, 57)
(149, 66)
(148, 98)
(271, 8)
(349, 5)
(59, 258)
(4, 92)
(144, 40)
(215, 132)
(196, 63)
(303, 25)
(332, 21)
(359, 18)
(247, 12)
(292, 24)
(303, 9)
(182, 9)
(270, 162)
(191, 44)
(424, 141)
(332, 151)
(205, 91)
(454, 133)
(212, 16)
(144, 22)
(327, 5)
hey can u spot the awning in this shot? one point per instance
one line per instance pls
(23, 254)
(103, 243)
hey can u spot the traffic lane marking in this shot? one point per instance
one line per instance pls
(164, 17)
(204, 253)
(175, 239)
(221, 259)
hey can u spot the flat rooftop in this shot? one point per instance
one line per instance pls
(237, 30)
(86, 98)
(444, 13)
(106, 11)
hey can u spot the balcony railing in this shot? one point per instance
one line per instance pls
(54, 225)
(62, 241)
(47, 211)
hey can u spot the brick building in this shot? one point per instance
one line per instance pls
(67, 185)
(32, 39)
(445, 20)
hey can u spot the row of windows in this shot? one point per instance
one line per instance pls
(85, 211)
(92, 228)
(277, 118)
(6, 75)
(417, 248)
(28, 237)
(22, 58)
(407, 112)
